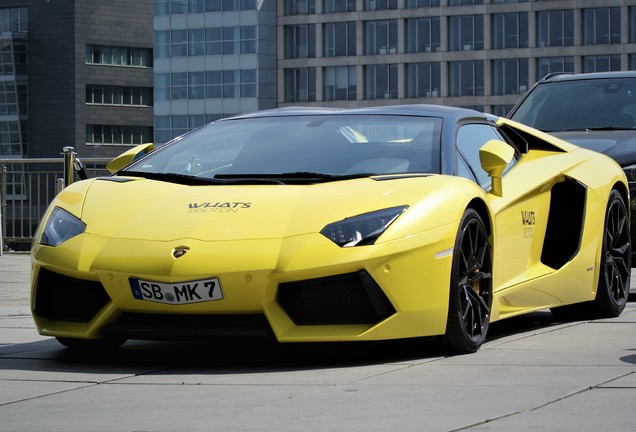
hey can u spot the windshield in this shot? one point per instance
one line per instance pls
(318, 146)
(582, 104)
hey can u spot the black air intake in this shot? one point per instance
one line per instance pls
(352, 298)
(63, 298)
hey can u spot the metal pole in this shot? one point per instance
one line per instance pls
(2, 182)
(69, 156)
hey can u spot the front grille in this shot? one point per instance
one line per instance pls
(353, 298)
(63, 298)
(186, 326)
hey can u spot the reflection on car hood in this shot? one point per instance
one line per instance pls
(159, 211)
(620, 145)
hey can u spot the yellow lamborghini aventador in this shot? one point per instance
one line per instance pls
(335, 225)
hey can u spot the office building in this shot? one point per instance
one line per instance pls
(216, 58)
(75, 73)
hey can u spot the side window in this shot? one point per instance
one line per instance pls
(470, 138)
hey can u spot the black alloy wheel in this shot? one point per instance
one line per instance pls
(615, 272)
(470, 298)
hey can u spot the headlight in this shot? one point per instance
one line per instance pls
(60, 227)
(630, 172)
(363, 229)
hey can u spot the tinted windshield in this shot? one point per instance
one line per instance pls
(331, 145)
(583, 104)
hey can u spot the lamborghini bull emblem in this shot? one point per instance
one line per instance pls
(180, 251)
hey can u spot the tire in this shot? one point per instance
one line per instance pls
(105, 344)
(615, 272)
(470, 298)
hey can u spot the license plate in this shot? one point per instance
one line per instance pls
(196, 291)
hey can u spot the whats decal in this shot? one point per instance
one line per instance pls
(528, 220)
(218, 207)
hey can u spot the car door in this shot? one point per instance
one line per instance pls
(520, 217)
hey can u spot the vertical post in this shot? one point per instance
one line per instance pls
(69, 156)
(2, 183)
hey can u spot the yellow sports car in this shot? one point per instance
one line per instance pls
(335, 225)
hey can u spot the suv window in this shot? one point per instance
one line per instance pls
(608, 103)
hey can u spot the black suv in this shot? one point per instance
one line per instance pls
(592, 110)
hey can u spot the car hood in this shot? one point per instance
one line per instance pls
(160, 211)
(620, 145)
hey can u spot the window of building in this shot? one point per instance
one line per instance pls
(371, 5)
(196, 85)
(179, 43)
(10, 143)
(466, 33)
(332, 6)
(339, 83)
(421, 3)
(196, 42)
(214, 41)
(118, 56)
(209, 41)
(510, 30)
(300, 7)
(178, 85)
(248, 83)
(602, 63)
(162, 87)
(555, 28)
(118, 95)
(300, 85)
(13, 58)
(422, 34)
(205, 85)
(230, 40)
(509, 1)
(380, 37)
(501, 110)
(117, 135)
(601, 26)
(14, 20)
(339, 39)
(632, 25)
(380, 81)
(423, 80)
(464, 2)
(510, 76)
(466, 78)
(547, 65)
(162, 44)
(300, 41)
(178, 7)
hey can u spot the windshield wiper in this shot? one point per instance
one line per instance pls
(600, 128)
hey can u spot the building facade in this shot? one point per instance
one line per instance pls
(75, 73)
(348, 53)
(213, 59)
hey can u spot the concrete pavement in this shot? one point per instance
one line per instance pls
(533, 373)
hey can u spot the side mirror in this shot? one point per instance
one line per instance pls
(128, 157)
(495, 156)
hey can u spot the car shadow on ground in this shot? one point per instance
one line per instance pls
(249, 354)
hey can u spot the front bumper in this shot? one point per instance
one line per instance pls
(299, 289)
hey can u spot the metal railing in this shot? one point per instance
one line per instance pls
(27, 186)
